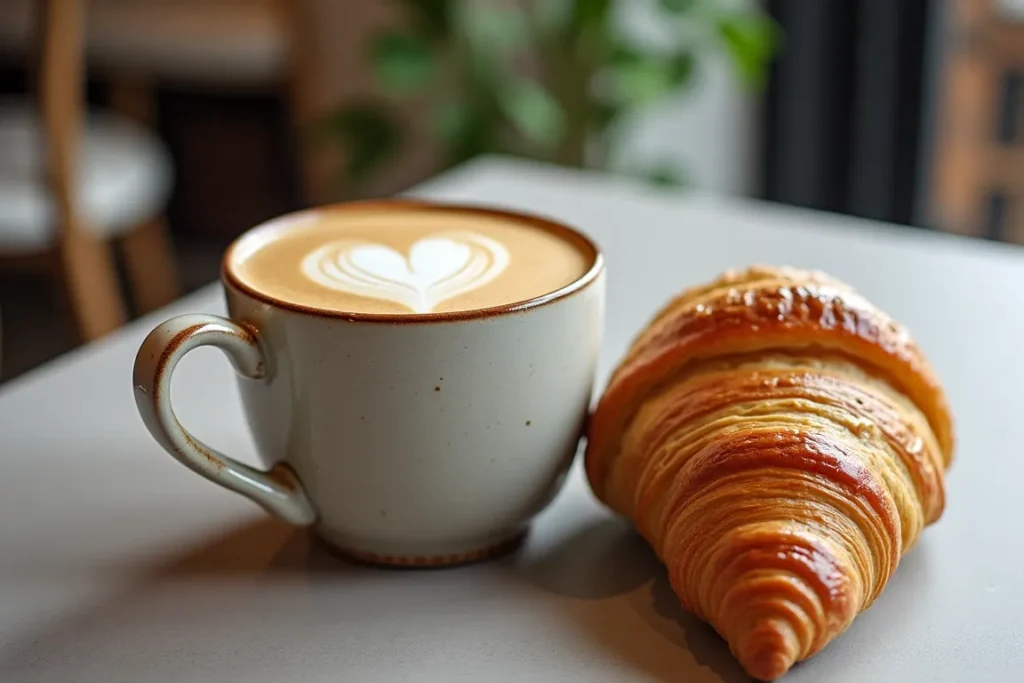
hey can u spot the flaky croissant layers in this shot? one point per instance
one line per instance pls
(780, 443)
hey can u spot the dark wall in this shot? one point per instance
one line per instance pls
(844, 111)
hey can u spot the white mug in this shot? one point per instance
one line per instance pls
(418, 440)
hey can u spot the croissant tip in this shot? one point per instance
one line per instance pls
(767, 664)
(769, 651)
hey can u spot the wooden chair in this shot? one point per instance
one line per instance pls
(74, 186)
(978, 181)
(312, 51)
(242, 46)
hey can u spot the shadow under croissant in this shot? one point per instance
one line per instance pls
(619, 580)
(628, 606)
(708, 648)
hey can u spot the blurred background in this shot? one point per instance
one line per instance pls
(139, 137)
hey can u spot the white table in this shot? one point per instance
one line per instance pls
(119, 565)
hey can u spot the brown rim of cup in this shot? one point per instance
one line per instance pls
(563, 231)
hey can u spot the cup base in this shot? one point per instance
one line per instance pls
(494, 550)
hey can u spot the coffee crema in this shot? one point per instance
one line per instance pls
(395, 259)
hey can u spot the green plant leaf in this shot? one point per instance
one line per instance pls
(403, 63)
(552, 16)
(637, 78)
(432, 17)
(589, 33)
(678, 6)
(493, 31)
(465, 129)
(603, 114)
(533, 112)
(368, 135)
(589, 13)
(451, 121)
(751, 40)
(664, 175)
(460, 127)
(681, 67)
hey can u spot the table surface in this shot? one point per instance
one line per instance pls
(117, 564)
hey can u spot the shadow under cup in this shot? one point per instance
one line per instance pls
(412, 439)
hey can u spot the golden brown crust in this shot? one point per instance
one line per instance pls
(909, 441)
(766, 314)
(780, 442)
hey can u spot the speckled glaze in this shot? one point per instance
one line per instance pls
(424, 443)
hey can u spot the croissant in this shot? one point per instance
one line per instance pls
(780, 443)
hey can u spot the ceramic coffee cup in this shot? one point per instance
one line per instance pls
(417, 440)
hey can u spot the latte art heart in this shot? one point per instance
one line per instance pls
(437, 268)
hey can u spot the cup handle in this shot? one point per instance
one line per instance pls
(278, 490)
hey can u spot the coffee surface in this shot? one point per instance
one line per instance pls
(406, 260)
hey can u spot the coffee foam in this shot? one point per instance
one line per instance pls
(406, 260)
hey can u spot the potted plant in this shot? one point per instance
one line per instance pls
(545, 79)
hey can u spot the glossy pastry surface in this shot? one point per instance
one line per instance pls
(780, 442)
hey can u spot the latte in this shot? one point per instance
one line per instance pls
(406, 258)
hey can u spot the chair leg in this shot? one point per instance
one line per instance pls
(150, 265)
(89, 276)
